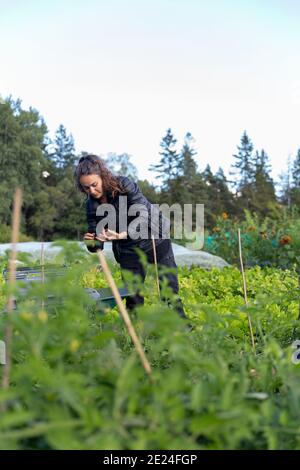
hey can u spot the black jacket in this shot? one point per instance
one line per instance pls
(134, 196)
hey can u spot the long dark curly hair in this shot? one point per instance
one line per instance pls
(93, 165)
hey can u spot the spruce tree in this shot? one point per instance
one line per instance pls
(296, 171)
(264, 198)
(168, 167)
(244, 173)
(219, 199)
(295, 183)
(244, 162)
(63, 153)
(187, 164)
(285, 185)
(225, 196)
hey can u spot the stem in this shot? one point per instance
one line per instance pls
(298, 294)
(11, 284)
(43, 271)
(124, 314)
(156, 268)
(245, 290)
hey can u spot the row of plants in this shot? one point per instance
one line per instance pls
(265, 242)
(77, 383)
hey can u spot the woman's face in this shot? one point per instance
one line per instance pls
(92, 185)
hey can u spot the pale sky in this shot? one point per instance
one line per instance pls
(118, 73)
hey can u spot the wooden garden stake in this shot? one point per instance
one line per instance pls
(299, 291)
(11, 283)
(2, 353)
(156, 268)
(245, 289)
(43, 270)
(124, 314)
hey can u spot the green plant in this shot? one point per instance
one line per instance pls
(76, 381)
(265, 243)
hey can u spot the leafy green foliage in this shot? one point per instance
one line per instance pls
(264, 243)
(77, 383)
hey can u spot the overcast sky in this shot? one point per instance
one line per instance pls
(118, 73)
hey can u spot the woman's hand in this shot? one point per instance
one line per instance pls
(105, 236)
(109, 235)
(93, 236)
(89, 236)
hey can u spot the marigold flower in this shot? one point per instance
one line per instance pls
(285, 240)
(224, 215)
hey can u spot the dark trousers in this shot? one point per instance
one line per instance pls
(165, 258)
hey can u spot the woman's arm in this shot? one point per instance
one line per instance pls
(91, 233)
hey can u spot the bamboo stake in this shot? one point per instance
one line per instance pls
(11, 283)
(156, 268)
(124, 314)
(2, 353)
(245, 289)
(43, 271)
(299, 299)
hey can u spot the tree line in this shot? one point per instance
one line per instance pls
(52, 209)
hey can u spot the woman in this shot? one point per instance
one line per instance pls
(108, 193)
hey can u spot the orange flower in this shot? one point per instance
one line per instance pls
(224, 215)
(285, 240)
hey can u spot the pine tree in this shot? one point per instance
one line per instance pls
(285, 185)
(225, 196)
(64, 151)
(208, 176)
(219, 198)
(245, 173)
(295, 183)
(187, 165)
(181, 186)
(244, 162)
(264, 198)
(168, 167)
(296, 171)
